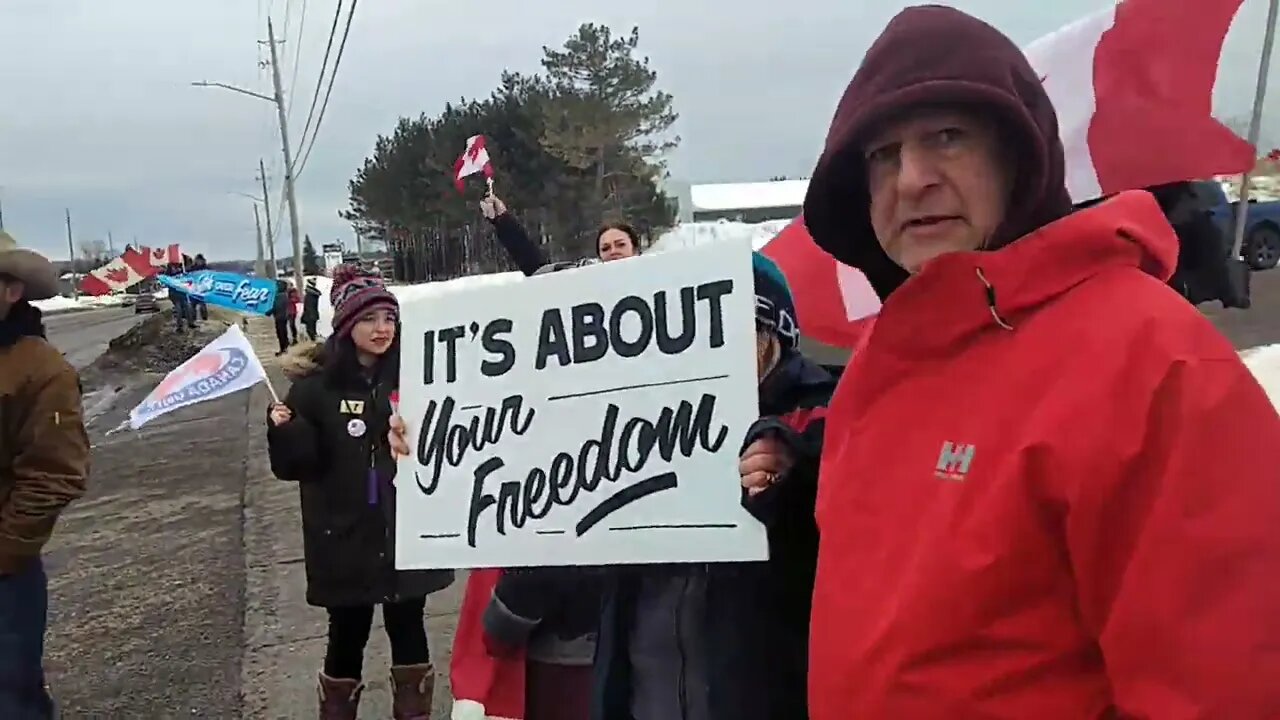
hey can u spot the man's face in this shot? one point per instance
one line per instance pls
(11, 290)
(939, 183)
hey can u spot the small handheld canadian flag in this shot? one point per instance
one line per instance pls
(474, 159)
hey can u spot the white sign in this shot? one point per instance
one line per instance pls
(590, 416)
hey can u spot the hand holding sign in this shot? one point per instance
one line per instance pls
(762, 463)
(584, 417)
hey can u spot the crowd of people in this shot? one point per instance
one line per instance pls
(1040, 488)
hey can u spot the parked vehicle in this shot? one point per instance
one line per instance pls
(1261, 248)
(145, 303)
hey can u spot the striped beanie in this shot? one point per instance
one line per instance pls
(775, 308)
(354, 293)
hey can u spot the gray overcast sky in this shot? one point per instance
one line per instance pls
(96, 111)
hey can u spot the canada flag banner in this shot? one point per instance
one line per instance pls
(163, 256)
(1133, 88)
(120, 274)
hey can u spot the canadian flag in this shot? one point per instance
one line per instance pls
(1133, 89)
(474, 159)
(120, 274)
(163, 256)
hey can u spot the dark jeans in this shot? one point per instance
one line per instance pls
(24, 605)
(293, 328)
(183, 314)
(282, 333)
(557, 692)
(310, 327)
(349, 632)
(199, 310)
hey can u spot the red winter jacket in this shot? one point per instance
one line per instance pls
(1049, 491)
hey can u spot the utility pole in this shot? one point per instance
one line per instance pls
(258, 268)
(1, 212)
(71, 248)
(1255, 125)
(266, 207)
(288, 159)
(111, 244)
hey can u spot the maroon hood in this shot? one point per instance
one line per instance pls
(934, 55)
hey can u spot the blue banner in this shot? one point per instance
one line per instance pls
(223, 289)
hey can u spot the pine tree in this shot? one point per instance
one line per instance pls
(606, 117)
(310, 261)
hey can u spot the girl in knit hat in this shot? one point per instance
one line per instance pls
(330, 436)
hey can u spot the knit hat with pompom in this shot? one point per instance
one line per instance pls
(355, 292)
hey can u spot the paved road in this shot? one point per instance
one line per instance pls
(83, 336)
(146, 571)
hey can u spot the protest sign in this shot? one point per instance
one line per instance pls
(591, 416)
(241, 293)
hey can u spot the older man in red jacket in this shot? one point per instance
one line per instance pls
(1049, 487)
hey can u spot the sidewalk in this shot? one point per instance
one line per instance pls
(285, 637)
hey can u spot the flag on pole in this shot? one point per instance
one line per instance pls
(164, 256)
(226, 365)
(475, 159)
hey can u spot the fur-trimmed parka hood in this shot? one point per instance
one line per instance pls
(303, 360)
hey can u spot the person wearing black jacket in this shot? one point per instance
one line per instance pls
(311, 309)
(614, 241)
(279, 312)
(329, 436)
(728, 641)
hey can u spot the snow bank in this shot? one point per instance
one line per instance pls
(691, 234)
(410, 292)
(57, 304)
(64, 304)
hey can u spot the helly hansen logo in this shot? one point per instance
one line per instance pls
(954, 461)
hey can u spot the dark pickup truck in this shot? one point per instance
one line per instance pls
(1261, 249)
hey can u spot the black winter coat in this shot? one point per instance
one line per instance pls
(335, 448)
(755, 616)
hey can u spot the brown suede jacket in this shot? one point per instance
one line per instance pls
(44, 449)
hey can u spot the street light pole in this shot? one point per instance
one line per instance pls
(266, 207)
(258, 268)
(71, 250)
(1255, 125)
(288, 160)
(290, 196)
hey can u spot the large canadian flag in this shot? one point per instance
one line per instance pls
(1141, 113)
(1133, 89)
(120, 274)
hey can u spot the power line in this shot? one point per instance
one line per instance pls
(324, 64)
(328, 91)
(297, 52)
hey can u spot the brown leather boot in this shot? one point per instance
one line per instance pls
(412, 687)
(339, 699)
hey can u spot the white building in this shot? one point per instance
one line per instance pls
(752, 202)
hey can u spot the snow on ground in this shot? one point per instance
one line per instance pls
(1265, 363)
(63, 304)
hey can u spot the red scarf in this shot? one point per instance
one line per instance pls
(484, 687)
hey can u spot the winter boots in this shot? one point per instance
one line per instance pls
(339, 699)
(412, 688)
